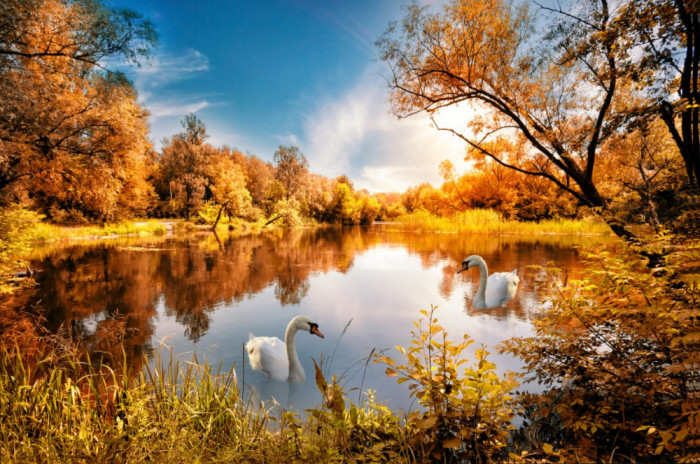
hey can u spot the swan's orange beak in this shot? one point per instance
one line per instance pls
(315, 331)
(463, 268)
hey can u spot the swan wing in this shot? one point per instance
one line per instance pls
(501, 287)
(269, 355)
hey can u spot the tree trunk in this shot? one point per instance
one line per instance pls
(688, 139)
(218, 216)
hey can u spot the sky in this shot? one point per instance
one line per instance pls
(261, 74)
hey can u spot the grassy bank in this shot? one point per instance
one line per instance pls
(489, 222)
(184, 412)
(45, 232)
(55, 408)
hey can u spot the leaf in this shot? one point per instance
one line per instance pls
(427, 422)
(320, 379)
(391, 372)
(547, 448)
(452, 443)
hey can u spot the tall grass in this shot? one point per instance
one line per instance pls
(59, 410)
(483, 221)
(44, 232)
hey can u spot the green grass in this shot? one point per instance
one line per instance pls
(486, 221)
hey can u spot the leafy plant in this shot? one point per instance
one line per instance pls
(368, 432)
(467, 410)
(619, 352)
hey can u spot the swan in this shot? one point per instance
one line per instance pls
(267, 354)
(498, 289)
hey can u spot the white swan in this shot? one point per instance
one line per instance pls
(279, 359)
(498, 289)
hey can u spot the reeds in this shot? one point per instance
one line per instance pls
(484, 221)
(58, 410)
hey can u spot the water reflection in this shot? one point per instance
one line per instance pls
(206, 293)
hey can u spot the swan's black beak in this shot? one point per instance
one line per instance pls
(314, 330)
(465, 266)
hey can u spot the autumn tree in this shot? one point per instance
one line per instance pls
(346, 209)
(291, 169)
(63, 114)
(370, 208)
(663, 40)
(544, 102)
(317, 202)
(390, 205)
(184, 166)
(227, 184)
(259, 178)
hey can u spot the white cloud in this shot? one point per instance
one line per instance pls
(355, 134)
(161, 109)
(169, 67)
(158, 85)
(288, 139)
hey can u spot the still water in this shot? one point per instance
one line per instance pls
(364, 287)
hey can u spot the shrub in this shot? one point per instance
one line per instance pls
(467, 410)
(619, 350)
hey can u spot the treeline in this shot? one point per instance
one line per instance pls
(74, 140)
(641, 174)
(195, 180)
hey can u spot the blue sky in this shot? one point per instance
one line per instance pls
(288, 72)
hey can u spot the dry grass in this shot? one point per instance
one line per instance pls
(489, 222)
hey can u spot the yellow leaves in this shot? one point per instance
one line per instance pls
(453, 398)
(549, 450)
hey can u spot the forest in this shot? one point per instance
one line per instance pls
(587, 112)
(84, 156)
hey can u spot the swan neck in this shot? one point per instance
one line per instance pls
(296, 372)
(483, 277)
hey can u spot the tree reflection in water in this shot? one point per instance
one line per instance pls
(88, 287)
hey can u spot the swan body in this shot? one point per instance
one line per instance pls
(276, 358)
(495, 289)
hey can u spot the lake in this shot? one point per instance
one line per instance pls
(363, 286)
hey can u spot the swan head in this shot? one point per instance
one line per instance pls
(471, 261)
(306, 324)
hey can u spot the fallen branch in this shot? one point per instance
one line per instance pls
(272, 220)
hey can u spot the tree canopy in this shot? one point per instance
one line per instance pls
(542, 104)
(65, 117)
